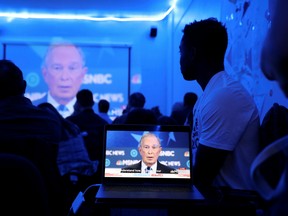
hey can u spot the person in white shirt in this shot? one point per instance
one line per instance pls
(225, 117)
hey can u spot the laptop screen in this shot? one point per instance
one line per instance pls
(125, 158)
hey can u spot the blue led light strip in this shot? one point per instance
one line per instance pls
(25, 15)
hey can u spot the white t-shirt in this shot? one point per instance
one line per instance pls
(226, 117)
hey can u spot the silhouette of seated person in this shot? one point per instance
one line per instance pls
(103, 108)
(149, 148)
(166, 120)
(20, 178)
(92, 127)
(73, 160)
(226, 120)
(135, 100)
(163, 119)
(181, 110)
(156, 111)
(31, 132)
(141, 116)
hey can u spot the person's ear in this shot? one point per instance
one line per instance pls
(139, 149)
(44, 73)
(84, 70)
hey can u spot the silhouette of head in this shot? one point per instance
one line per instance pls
(166, 120)
(141, 116)
(136, 100)
(103, 106)
(202, 41)
(11, 80)
(85, 98)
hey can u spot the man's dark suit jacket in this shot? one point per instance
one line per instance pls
(136, 168)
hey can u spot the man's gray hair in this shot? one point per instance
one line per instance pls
(149, 135)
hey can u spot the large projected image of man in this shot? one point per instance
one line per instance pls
(149, 148)
(63, 70)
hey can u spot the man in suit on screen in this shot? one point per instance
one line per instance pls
(149, 149)
(63, 70)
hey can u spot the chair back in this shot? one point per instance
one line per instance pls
(278, 148)
(22, 187)
(43, 155)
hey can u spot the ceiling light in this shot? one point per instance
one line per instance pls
(27, 15)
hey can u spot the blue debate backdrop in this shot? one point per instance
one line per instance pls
(107, 76)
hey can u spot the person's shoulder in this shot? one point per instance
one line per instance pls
(91, 116)
(72, 117)
(37, 112)
(47, 123)
(105, 117)
(75, 119)
(177, 106)
(165, 169)
(40, 100)
(120, 119)
(100, 119)
(234, 93)
(132, 166)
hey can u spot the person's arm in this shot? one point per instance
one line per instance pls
(208, 163)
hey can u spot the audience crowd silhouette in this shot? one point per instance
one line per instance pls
(224, 121)
(41, 134)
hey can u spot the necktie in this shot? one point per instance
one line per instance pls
(148, 169)
(62, 108)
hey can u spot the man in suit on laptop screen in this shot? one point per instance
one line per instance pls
(149, 149)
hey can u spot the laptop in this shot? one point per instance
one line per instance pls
(121, 150)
